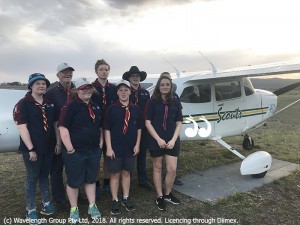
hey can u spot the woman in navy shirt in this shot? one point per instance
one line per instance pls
(164, 121)
(35, 116)
(79, 126)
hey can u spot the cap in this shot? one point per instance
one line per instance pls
(63, 66)
(125, 82)
(37, 76)
(81, 83)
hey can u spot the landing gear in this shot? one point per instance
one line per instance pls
(259, 175)
(248, 143)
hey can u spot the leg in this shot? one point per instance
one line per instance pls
(157, 167)
(171, 164)
(114, 184)
(125, 182)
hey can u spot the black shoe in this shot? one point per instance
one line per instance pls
(171, 198)
(115, 208)
(161, 203)
(178, 182)
(128, 205)
(146, 186)
(63, 205)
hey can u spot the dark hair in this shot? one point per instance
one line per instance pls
(101, 62)
(156, 92)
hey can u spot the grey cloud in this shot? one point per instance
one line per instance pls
(126, 4)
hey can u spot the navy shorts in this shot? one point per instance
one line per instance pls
(164, 151)
(118, 164)
(82, 166)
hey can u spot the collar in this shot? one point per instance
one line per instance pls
(29, 98)
(96, 84)
(62, 87)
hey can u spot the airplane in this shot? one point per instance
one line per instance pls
(216, 104)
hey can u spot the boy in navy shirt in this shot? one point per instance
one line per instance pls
(122, 136)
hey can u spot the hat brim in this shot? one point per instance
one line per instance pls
(66, 69)
(36, 79)
(127, 74)
(84, 86)
(122, 84)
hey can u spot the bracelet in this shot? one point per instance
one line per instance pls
(31, 150)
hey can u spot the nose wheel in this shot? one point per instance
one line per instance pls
(248, 143)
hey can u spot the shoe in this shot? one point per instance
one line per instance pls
(171, 198)
(161, 203)
(178, 182)
(94, 212)
(48, 209)
(128, 205)
(74, 216)
(146, 186)
(115, 209)
(106, 187)
(32, 217)
(98, 193)
(62, 205)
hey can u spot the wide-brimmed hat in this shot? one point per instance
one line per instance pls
(64, 66)
(37, 76)
(123, 82)
(134, 70)
(81, 83)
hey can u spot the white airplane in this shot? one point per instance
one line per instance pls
(215, 105)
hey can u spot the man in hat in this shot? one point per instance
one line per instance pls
(122, 137)
(139, 97)
(60, 95)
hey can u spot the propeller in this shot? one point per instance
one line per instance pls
(286, 89)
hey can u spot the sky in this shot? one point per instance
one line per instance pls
(36, 36)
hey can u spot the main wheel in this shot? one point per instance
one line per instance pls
(259, 175)
(248, 143)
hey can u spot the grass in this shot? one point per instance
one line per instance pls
(274, 203)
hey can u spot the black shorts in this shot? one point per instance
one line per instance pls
(118, 164)
(164, 151)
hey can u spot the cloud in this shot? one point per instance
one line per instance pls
(128, 4)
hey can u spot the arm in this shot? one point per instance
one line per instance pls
(25, 135)
(171, 143)
(110, 152)
(161, 143)
(58, 139)
(65, 137)
(136, 148)
(101, 138)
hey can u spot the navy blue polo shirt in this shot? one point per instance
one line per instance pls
(155, 111)
(27, 112)
(177, 98)
(84, 131)
(111, 96)
(114, 122)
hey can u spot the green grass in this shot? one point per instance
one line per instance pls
(274, 203)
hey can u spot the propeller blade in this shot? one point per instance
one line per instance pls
(286, 89)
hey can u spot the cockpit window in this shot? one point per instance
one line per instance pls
(249, 90)
(227, 90)
(196, 94)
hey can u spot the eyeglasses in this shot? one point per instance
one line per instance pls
(87, 88)
(134, 75)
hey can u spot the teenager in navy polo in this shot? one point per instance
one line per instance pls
(140, 97)
(79, 126)
(36, 117)
(122, 135)
(105, 96)
(164, 121)
(60, 95)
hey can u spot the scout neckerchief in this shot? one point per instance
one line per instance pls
(91, 112)
(42, 108)
(126, 117)
(136, 93)
(165, 114)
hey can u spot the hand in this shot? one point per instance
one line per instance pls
(136, 150)
(170, 144)
(32, 156)
(57, 149)
(110, 153)
(161, 143)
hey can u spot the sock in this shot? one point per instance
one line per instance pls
(73, 209)
(90, 206)
(115, 200)
(125, 197)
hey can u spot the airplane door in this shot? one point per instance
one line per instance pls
(228, 107)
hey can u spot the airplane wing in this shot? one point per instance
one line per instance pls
(252, 71)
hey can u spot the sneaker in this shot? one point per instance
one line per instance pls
(161, 203)
(115, 209)
(128, 205)
(74, 216)
(178, 182)
(171, 198)
(48, 209)
(94, 212)
(32, 217)
(98, 193)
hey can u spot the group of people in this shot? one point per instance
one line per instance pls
(72, 124)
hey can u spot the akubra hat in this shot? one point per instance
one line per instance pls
(134, 70)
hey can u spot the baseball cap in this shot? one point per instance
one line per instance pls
(125, 82)
(63, 66)
(81, 83)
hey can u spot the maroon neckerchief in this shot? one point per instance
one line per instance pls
(126, 117)
(91, 112)
(136, 93)
(96, 84)
(67, 91)
(42, 108)
(165, 115)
